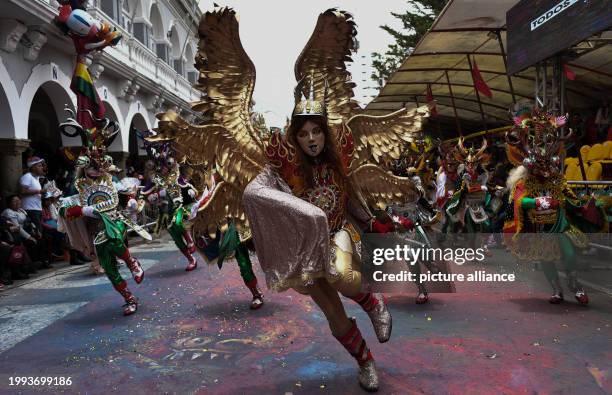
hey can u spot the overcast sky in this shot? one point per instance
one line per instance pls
(273, 33)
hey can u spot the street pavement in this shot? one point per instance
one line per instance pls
(194, 334)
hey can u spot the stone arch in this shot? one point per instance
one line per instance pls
(189, 57)
(57, 86)
(155, 17)
(6, 116)
(9, 101)
(46, 111)
(153, 121)
(137, 117)
(109, 98)
(113, 113)
(59, 99)
(136, 153)
(142, 8)
(175, 42)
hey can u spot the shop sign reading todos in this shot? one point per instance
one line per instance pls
(539, 29)
(553, 12)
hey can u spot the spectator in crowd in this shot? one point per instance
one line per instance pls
(28, 233)
(131, 172)
(602, 120)
(6, 246)
(15, 263)
(69, 189)
(54, 239)
(576, 124)
(114, 171)
(45, 169)
(148, 172)
(129, 198)
(31, 190)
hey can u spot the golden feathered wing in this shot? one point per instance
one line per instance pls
(228, 139)
(381, 139)
(323, 62)
(377, 139)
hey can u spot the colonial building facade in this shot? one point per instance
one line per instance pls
(149, 71)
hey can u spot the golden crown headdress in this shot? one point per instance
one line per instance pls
(310, 105)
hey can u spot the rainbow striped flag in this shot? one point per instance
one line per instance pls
(87, 96)
(83, 84)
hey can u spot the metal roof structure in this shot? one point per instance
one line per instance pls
(469, 32)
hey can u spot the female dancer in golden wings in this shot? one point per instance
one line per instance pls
(305, 193)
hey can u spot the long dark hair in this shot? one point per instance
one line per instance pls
(10, 198)
(330, 153)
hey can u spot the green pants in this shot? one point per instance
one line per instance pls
(244, 263)
(107, 255)
(231, 243)
(177, 228)
(568, 258)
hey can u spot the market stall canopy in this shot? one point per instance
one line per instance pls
(470, 35)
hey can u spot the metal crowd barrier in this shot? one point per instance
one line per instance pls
(147, 218)
(602, 186)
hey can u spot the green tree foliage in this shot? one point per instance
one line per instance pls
(416, 22)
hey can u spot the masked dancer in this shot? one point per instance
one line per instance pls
(174, 195)
(548, 219)
(467, 208)
(92, 217)
(414, 219)
(227, 242)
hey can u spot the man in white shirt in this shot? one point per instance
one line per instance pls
(31, 190)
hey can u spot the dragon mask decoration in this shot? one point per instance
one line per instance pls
(536, 141)
(472, 157)
(93, 157)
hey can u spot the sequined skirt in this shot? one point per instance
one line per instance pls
(292, 237)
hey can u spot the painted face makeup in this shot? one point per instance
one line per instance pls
(311, 139)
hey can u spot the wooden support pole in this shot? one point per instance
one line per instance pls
(450, 91)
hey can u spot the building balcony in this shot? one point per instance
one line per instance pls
(130, 58)
(145, 63)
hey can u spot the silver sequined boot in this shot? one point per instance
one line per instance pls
(376, 308)
(368, 376)
(357, 347)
